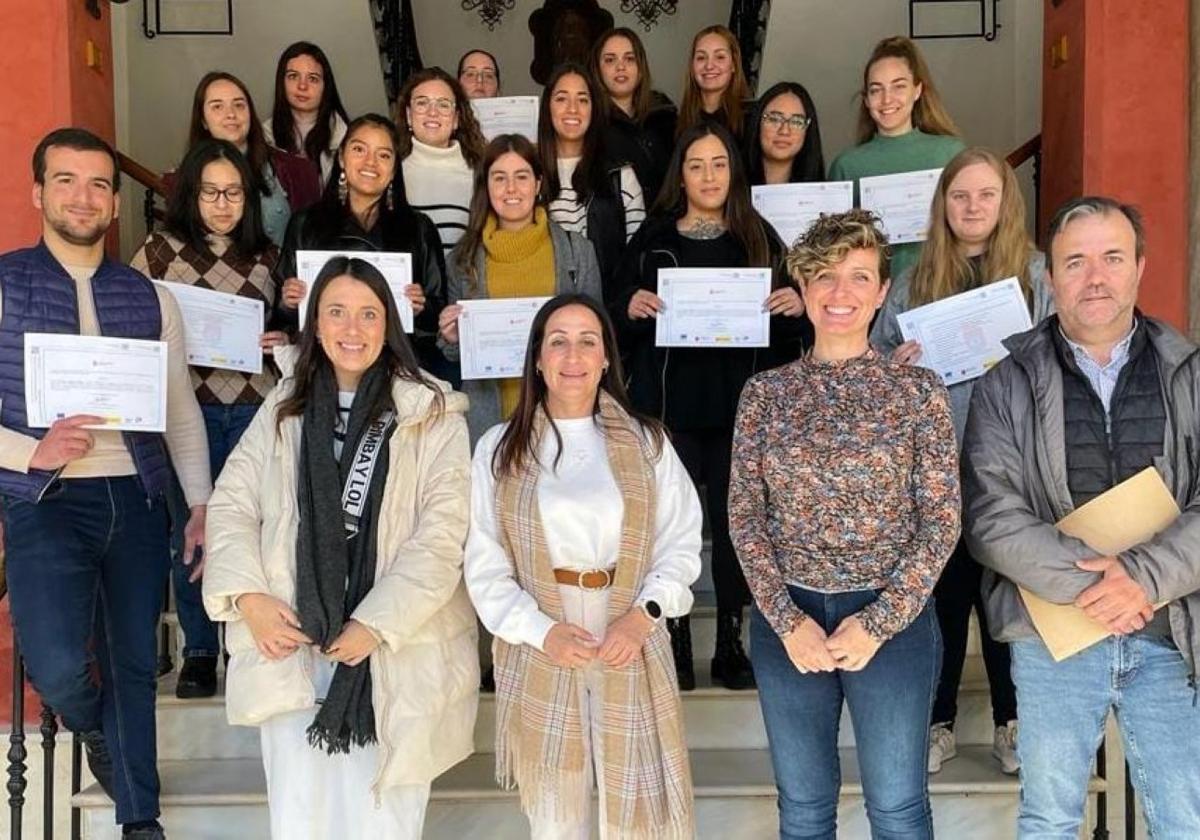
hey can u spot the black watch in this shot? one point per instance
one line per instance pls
(652, 609)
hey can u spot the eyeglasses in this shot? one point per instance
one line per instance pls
(478, 75)
(234, 195)
(426, 103)
(777, 120)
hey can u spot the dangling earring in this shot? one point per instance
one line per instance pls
(388, 197)
(343, 190)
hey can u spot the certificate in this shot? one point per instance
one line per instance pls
(220, 330)
(492, 335)
(901, 202)
(791, 208)
(713, 307)
(123, 380)
(961, 335)
(507, 115)
(395, 266)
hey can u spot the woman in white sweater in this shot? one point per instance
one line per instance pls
(440, 146)
(585, 536)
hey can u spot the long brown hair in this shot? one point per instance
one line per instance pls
(731, 100)
(942, 269)
(258, 153)
(929, 114)
(396, 356)
(481, 206)
(642, 97)
(469, 137)
(741, 219)
(517, 444)
(591, 173)
(283, 122)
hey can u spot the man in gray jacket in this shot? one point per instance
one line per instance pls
(1085, 400)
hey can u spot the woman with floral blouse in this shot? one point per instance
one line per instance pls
(843, 507)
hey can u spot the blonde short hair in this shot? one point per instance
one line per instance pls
(831, 237)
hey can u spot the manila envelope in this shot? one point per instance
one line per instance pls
(1127, 515)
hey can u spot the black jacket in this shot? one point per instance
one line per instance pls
(645, 145)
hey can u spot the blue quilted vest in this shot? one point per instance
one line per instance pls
(38, 295)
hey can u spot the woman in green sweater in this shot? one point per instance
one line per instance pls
(902, 126)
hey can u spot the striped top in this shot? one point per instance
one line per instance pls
(438, 183)
(570, 214)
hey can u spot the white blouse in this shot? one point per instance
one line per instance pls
(581, 511)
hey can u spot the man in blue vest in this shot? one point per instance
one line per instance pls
(1087, 399)
(86, 530)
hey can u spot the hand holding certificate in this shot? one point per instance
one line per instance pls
(791, 208)
(960, 336)
(220, 330)
(902, 202)
(123, 380)
(713, 307)
(507, 115)
(492, 335)
(395, 266)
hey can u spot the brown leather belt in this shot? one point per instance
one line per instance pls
(592, 579)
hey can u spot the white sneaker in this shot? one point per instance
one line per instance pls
(942, 746)
(1004, 748)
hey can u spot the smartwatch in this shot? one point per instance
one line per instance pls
(652, 610)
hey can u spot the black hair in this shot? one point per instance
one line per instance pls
(591, 173)
(79, 139)
(809, 163)
(183, 220)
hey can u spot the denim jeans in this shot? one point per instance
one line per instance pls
(889, 701)
(224, 425)
(86, 569)
(1064, 706)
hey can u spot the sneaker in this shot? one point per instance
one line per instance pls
(942, 746)
(197, 678)
(99, 760)
(1004, 748)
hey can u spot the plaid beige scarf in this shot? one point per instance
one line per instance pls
(539, 732)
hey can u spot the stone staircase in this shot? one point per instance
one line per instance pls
(214, 789)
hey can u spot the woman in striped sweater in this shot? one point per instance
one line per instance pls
(586, 193)
(440, 146)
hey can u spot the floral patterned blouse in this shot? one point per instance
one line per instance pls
(845, 477)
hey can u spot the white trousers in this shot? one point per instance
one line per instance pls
(316, 796)
(589, 610)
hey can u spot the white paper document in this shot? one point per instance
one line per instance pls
(901, 202)
(123, 380)
(395, 266)
(961, 335)
(791, 208)
(220, 330)
(492, 335)
(713, 307)
(507, 115)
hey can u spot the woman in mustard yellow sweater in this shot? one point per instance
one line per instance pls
(510, 249)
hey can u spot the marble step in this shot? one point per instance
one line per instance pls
(735, 795)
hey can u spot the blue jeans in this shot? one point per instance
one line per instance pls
(890, 701)
(224, 425)
(86, 569)
(1064, 706)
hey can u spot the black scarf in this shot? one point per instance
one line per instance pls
(335, 550)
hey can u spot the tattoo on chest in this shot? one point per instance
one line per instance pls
(704, 229)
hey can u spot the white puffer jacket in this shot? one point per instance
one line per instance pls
(425, 674)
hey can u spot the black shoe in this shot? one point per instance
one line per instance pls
(730, 664)
(150, 830)
(98, 759)
(681, 649)
(197, 678)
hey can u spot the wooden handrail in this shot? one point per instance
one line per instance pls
(1025, 151)
(144, 176)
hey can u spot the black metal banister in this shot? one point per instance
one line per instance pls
(16, 747)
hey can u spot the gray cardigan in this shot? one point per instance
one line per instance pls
(886, 336)
(575, 270)
(1015, 488)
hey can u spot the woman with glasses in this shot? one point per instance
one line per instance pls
(479, 74)
(213, 239)
(308, 118)
(902, 126)
(640, 129)
(362, 210)
(440, 145)
(784, 142)
(587, 193)
(223, 109)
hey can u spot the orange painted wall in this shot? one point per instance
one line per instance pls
(47, 85)
(1115, 122)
